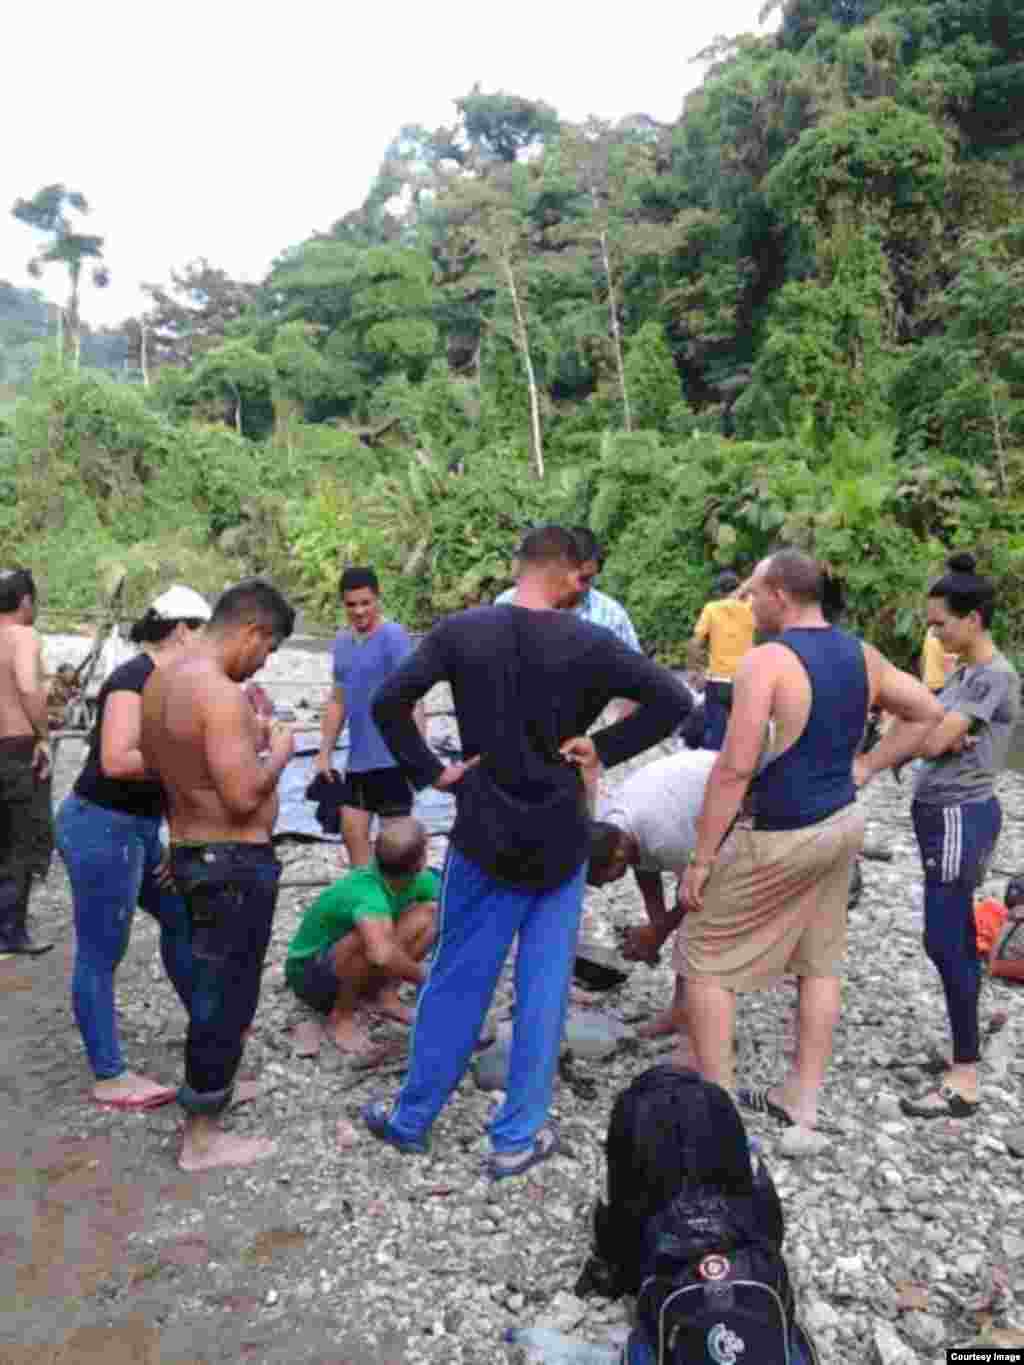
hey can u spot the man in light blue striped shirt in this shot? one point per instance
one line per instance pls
(594, 606)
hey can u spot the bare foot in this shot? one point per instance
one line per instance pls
(390, 1006)
(347, 1036)
(307, 1037)
(131, 1088)
(245, 1092)
(379, 1054)
(217, 1148)
(803, 1114)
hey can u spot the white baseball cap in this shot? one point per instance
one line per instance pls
(179, 603)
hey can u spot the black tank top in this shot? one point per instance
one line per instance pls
(144, 798)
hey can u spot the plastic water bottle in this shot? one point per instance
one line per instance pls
(548, 1347)
(591, 1034)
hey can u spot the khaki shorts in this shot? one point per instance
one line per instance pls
(775, 905)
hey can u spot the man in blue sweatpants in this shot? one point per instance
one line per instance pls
(527, 681)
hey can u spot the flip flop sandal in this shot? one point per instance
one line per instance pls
(546, 1144)
(934, 1066)
(139, 1102)
(755, 1099)
(953, 1105)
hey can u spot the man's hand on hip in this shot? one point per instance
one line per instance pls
(691, 888)
(323, 766)
(453, 773)
(42, 762)
(642, 943)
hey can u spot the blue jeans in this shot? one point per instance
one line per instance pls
(478, 919)
(231, 893)
(956, 843)
(111, 858)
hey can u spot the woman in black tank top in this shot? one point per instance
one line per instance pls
(108, 833)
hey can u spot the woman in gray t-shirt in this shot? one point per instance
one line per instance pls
(957, 816)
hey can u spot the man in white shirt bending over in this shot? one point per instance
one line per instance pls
(650, 826)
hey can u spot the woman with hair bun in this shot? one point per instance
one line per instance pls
(957, 816)
(108, 833)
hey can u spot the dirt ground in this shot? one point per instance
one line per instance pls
(342, 1252)
(108, 1252)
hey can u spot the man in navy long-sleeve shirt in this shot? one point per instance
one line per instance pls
(527, 680)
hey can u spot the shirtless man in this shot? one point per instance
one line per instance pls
(26, 819)
(203, 739)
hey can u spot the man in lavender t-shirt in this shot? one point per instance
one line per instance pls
(364, 656)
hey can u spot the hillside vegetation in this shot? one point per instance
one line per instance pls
(794, 315)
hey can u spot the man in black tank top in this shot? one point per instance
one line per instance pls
(769, 879)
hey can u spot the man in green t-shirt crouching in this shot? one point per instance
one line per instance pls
(365, 934)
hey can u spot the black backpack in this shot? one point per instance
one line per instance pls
(694, 1227)
(670, 1131)
(730, 1307)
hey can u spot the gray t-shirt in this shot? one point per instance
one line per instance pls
(659, 805)
(990, 695)
(360, 666)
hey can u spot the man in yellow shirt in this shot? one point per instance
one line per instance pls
(726, 626)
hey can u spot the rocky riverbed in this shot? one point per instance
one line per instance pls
(905, 1237)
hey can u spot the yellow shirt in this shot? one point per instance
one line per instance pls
(936, 664)
(728, 627)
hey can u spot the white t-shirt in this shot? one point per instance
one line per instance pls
(659, 806)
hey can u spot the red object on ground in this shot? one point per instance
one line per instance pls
(989, 918)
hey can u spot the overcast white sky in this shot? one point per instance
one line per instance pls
(232, 130)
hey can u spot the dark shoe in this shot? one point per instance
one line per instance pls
(377, 1117)
(945, 1103)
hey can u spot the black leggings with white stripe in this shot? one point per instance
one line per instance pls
(956, 843)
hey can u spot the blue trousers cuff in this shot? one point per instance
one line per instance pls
(206, 1105)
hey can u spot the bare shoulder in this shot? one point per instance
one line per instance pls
(877, 665)
(764, 661)
(198, 680)
(873, 658)
(21, 646)
(25, 638)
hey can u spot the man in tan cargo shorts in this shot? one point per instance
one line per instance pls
(769, 877)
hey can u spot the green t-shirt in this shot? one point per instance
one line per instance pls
(360, 894)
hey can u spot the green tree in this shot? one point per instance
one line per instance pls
(879, 167)
(489, 227)
(502, 126)
(826, 360)
(195, 312)
(962, 389)
(604, 226)
(241, 378)
(651, 377)
(368, 308)
(301, 377)
(48, 212)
